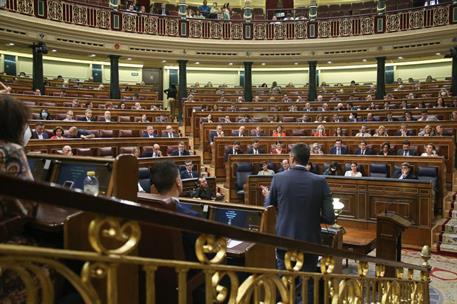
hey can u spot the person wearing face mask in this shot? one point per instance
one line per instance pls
(44, 115)
(14, 214)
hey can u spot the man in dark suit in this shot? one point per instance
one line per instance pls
(235, 150)
(169, 132)
(303, 200)
(150, 133)
(406, 172)
(285, 166)
(257, 132)
(363, 149)
(88, 116)
(406, 150)
(204, 192)
(39, 132)
(218, 133)
(255, 149)
(181, 151)
(189, 172)
(338, 148)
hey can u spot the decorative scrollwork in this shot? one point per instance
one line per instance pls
(324, 29)
(399, 272)
(260, 31)
(280, 31)
(380, 270)
(327, 265)
(293, 260)
(236, 31)
(440, 15)
(362, 269)
(367, 25)
(129, 22)
(103, 18)
(101, 229)
(55, 10)
(151, 25)
(270, 284)
(172, 27)
(416, 19)
(209, 244)
(215, 30)
(25, 7)
(393, 23)
(301, 30)
(345, 27)
(195, 29)
(221, 292)
(35, 278)
(79, 14)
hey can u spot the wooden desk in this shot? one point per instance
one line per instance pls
(365, 198)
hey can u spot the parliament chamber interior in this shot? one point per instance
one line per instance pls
(240, 152)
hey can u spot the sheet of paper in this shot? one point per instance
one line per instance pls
(233, 243)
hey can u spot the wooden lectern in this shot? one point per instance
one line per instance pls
(388, 238)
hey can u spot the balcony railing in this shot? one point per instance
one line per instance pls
(101, 273)
(156, 25)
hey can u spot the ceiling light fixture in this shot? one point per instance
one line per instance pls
(129, 58)
(197, 62)
(329, 62)
(438, 54)
(400, 57)
(263, 63)
(364, 60)
(54, 50)
(296, 63)
(230, 63)
(92, 55)
(10, 44)
(163, 61)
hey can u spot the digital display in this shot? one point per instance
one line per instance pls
(247, 219)
(76, 172)
(198, 208)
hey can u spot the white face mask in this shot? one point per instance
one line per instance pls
(27, 135)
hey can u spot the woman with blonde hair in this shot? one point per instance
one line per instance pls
(381, 131)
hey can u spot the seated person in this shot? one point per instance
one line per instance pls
(67, 150)
(427, 131)
(363, 149)
(332, 170)
(88, 116)
(430, 151)
(406, 172)
(403, 131)
(363, 132)
(354, 172)
(241, 132)
(285, 166)
(219, 133)
(169, 132)
(235, 150)
(189, 172)
(265, 170)
(278, 148)
(257, 132)
(204, 192)
(256, 149)
(57, 133)
(316, 149)
(381, 131)
(279, 132)
(406, 149)
(386, 150)
(338, 148)
(181, 151)
(73, 132)
(150, 133)
(39, 132)
(320, 131)
(156, 152)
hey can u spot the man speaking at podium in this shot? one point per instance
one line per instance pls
(303, 201)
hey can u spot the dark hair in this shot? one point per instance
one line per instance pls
(163, 175)
(13, 119)
(405, 142)
(300, 153)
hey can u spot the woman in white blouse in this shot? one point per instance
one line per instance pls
(354, 172)
(430, 151)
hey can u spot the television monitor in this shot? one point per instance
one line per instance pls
(76, 172)
(241, 218)
(198, 208)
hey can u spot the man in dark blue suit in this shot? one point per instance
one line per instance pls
(363, 149)
(40, 132)
(338, 148)
(303, 201)
(181, 151)
(189, 172)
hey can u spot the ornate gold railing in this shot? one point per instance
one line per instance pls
(132, 22)
(98, 281)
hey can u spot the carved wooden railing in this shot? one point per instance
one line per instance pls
(132, 22)
(410, 283)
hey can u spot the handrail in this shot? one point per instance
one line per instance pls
(58, 196)
(174, 26)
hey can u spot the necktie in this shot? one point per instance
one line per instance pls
(363, 152)
(190, 174)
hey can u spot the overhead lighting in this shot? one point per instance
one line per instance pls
(329, 62)
(10, 44)
(197, 62)
(364, 60)
(400, 57)
(263, 63)
(296, 63)
(92, 55)
(230, 63)
(54, 50)
(163, 61)
(129, 58)
(438, 54)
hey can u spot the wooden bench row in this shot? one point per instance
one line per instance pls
(365, 198)
(107, 147)
(321, 162)
(446, 146)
